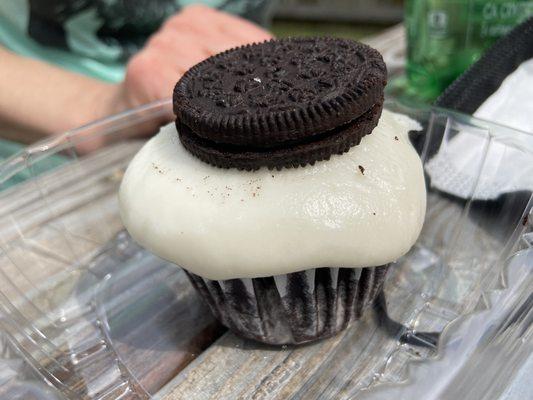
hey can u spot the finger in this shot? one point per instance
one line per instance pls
(246, 34)
(150, 77)
(180, 49)
(240, 29)
(222, 43)
(204, 33)
(219, 29)
(164, 81)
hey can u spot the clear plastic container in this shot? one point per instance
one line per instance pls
(87, 314)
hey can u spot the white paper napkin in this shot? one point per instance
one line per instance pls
(506, 164)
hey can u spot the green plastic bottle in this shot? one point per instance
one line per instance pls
(444, 37)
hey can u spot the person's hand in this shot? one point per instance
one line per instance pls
(185, 39)
(188, 37)
(65, 100)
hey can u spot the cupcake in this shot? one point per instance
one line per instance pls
(284, 189)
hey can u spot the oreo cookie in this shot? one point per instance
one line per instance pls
(281, 103)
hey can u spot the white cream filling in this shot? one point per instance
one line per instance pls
(225, 223)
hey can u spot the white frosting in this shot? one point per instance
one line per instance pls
(225, 223)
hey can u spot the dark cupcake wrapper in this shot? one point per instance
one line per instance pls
(294, 308)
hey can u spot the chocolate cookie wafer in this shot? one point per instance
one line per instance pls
(322, 147)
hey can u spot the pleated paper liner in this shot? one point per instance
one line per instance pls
(293, 308)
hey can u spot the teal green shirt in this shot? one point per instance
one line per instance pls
(96, 37)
